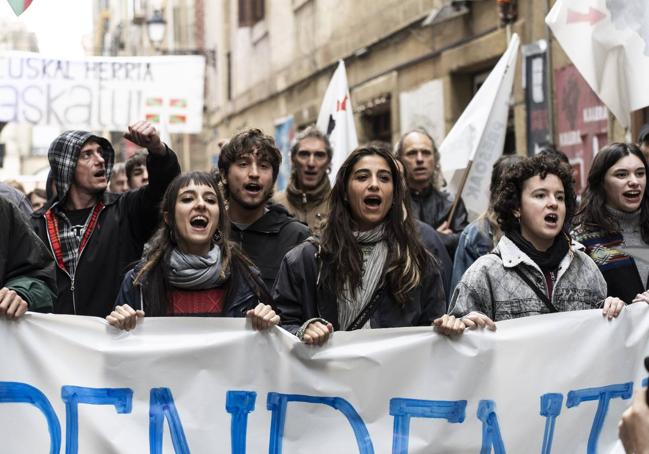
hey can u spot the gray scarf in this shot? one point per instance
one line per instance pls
(195, 272)
(375, 253)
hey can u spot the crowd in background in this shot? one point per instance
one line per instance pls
(380, 244)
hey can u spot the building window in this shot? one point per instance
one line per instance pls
(250, 12)
(376, 119)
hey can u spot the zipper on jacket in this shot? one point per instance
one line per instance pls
(74, 303)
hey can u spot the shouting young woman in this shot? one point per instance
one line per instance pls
(613, 221)
(369, 270)
(534, 269)
(191, 269)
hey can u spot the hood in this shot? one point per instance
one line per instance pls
(64, 153)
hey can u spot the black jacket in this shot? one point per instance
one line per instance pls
(125, 223)
(267, 240)
(298, 299)
(25, 264)
(433, 243)
(433, 207)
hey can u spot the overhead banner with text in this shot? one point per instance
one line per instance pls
(555, 383)
(102, 93)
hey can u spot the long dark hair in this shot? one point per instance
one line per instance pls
(340, 253)
(593, 214)
(152, 275)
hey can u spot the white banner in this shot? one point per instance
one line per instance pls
(479, 134)
(336, 119)
(102, 93)
(608, 41)
(555, 383)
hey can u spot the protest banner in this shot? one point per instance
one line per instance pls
(102, 93)
(554, 383)
(477, 138)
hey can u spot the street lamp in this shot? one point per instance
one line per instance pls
(155, 27)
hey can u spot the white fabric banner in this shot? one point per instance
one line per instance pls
(479, 134)
(102, 93)
(336, 119)
(555, 383)
(608, 42)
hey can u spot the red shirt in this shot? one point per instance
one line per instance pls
(196, 302)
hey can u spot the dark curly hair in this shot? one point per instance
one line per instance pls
(510, 190)
(593, 214)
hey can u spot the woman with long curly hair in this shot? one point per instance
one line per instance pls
(535, 269)
(191, 269)
(613, 220)
(368, 270)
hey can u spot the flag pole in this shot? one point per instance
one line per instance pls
(458, 195)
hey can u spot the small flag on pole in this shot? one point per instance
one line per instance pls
(336, 119)
(476, 140)
(19, 6)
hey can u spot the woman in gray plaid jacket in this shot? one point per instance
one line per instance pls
(534, 269)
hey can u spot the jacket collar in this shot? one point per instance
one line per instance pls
(512, 256)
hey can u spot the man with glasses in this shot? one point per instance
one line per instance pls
(306, 194)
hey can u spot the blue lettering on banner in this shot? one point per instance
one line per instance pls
(603, 395)
(277, 404)
(453, 411)
(120, 398)
(550, 408)
(239, 404)
(12, 392)
(490, 429)
(161, 407)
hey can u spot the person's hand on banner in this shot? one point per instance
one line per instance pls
(262, 316)
(317, 333)
(12, 306)
(452, 326)
(641, 297)
(634, 425)
(145, 135)
(124, 317)
(612, 307)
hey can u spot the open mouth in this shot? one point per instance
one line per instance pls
(100, 173)
(372, 201)
(199, 222)
(551, 218)
(252, 187)
(633, 195)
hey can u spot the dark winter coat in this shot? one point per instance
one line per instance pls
(25, 264)
(298, 299)
(123, 225)
(433, 207)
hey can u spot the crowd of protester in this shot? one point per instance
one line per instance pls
(386, 246)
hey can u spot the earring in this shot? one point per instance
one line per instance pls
(216, 238)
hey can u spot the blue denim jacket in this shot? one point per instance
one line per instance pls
(475, 241)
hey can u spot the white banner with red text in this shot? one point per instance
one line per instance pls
(555, 383)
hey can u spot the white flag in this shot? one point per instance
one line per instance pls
(336, 119)
(608, 42)
(479, 134)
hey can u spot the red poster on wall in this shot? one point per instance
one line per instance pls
(581, 121)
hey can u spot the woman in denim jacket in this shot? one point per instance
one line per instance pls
(534, 269)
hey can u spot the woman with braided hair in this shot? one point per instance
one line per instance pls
(191, 269)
